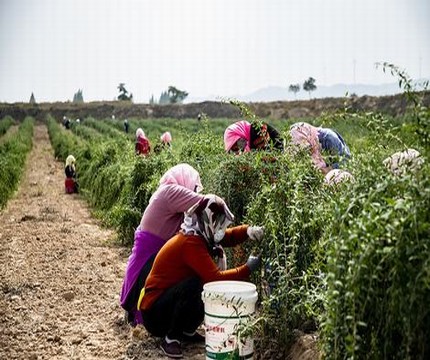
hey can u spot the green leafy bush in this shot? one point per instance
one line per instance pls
(378, 264)
(379, 270)
(63, 141)
(13, 153)
(5, 124)
(295, 209)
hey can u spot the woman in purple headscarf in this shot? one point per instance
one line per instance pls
(162, 218)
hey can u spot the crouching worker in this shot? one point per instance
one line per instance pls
(142, 146)
(319, 141)
(171, 303)
(71, 184)
(242, 136)
(165, 142)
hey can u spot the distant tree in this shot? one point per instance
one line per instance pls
(164, 98)
(152, 100)
(32, 99)
(176, 95)
(78, 97)
(123, 93)
(122, 89)
(295, 88)
(309, 85)
(172, 96)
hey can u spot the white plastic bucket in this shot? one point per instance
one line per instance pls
(228, 304)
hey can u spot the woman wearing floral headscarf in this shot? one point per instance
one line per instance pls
(178, 191)
(170, 302)
(243, 136)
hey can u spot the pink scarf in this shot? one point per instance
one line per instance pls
(305, 135)
(166, 137)
(238, 130)
(184, 175)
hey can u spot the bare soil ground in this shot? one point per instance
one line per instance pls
(61, 275)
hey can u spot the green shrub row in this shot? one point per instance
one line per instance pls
(5, 124)
(378, 274)
(104, 128)
(13, 153)
(378, 255)
(62, 140)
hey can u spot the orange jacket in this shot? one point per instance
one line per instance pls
(185, 256)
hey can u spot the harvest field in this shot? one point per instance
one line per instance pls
(346, 268)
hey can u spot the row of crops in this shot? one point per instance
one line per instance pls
(15, 144)
(349, 262)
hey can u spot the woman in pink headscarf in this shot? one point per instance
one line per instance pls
(317, 140)
(306, 136)
(165, 142)
(166, 138)
(162, 218)
(243, 136)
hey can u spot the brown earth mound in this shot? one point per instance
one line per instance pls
(392, 105)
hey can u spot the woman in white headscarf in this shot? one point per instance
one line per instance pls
(165, 142)
(142, 146)
(70, 170)
(401, 162)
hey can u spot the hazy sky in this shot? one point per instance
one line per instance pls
(206, 47)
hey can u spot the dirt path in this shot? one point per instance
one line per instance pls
(60, 279)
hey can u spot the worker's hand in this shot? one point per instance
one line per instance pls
(255, 232)
(253, 262)
(326, 169)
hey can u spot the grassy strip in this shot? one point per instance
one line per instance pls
(5, 124)
(63, 141)
(105, 128)
(13, 154)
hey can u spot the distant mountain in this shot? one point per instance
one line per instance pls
(279, 93)
(275, 93)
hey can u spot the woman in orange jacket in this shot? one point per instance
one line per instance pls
(170, 302)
